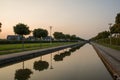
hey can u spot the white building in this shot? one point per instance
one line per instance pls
(14, 37)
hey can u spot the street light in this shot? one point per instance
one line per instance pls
(50, 34)
(110, 32)
(0, 26)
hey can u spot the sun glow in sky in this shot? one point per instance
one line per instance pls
(85, 18)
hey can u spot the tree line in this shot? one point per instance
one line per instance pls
(113, 33)
(22, 29)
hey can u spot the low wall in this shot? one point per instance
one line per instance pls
(107, 64)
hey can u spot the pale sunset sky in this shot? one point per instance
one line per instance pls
(85, 18)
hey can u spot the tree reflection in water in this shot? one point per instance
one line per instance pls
(23, 74)
(59, 57)
(41, 65)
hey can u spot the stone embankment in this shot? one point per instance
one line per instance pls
(111, 59)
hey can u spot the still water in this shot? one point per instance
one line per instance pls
(68, 64)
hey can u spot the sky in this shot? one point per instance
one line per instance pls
(84, 18)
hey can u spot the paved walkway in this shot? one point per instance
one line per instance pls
(111, 56)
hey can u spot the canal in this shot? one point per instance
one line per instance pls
(79, 63)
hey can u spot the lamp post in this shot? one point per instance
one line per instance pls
(110, 32)
(50, 34)
(0, 26)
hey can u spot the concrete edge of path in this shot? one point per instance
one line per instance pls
(21, 56)
(111, 69)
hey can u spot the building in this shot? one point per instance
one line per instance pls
(14, 37)
(48, 38)
(31, 38)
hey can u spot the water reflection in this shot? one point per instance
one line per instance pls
(76, 67)
(40, 65)
(23, 74)
(51, 67)
(59, 57)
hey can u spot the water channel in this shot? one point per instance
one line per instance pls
(81, 63)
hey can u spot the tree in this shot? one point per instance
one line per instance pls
(117, 19)
(103, 35)
(21, 29)
(73, 37)
(67, 36)
(44, 33)
(59, 35)
(40, 33)
(115, 29)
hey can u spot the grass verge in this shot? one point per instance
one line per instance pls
(14, 48)
(111, 46)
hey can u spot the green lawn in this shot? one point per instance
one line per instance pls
(12, 48)
(111, 46)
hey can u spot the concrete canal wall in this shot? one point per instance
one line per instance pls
(21, 56)
(110, 58)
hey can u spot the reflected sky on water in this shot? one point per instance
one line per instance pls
(81, 63)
